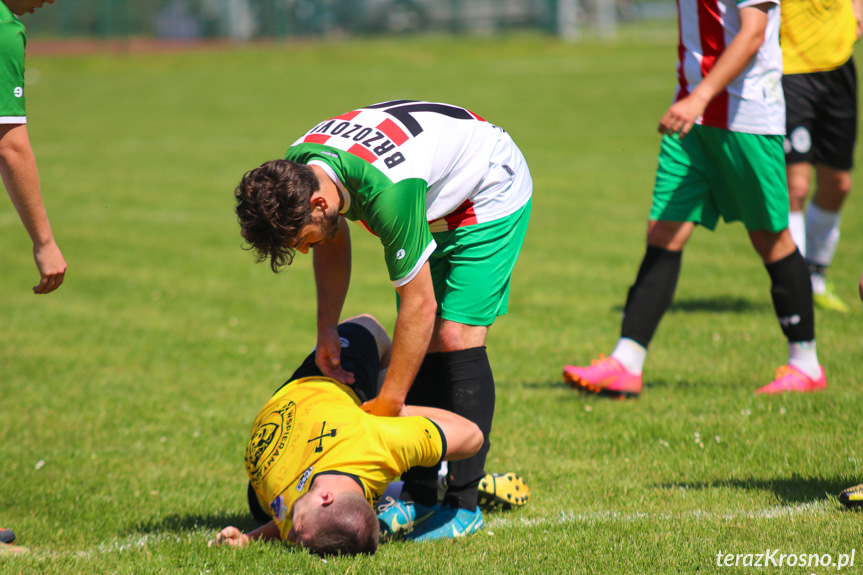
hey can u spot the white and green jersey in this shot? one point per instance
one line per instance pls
(407, 169)
(13, 40)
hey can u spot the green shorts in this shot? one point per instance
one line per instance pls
(714, 172)
(471, 268)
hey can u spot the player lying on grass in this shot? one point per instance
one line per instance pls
(318, 463)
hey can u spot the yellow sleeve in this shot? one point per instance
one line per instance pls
(411, 441)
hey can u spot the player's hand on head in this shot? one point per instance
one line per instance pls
(385, 407)
(51, 265)
(328, 356)
(230, 536)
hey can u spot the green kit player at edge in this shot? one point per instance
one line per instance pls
(17, 161)
(18, 164)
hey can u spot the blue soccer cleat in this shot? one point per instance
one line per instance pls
(448, 523)
(399, 516)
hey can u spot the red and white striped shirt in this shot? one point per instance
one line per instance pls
(753, 102)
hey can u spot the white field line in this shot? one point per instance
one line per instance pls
(566, 517)
(497, 521)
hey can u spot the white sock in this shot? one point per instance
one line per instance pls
(822, 235)
(630, 354)
(797, 227)
(819, 284)
(803, 356)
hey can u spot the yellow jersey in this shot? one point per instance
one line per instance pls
(314, 426)
(816, 35)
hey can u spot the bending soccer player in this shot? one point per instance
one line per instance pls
(721, 155)
(449, 196)
(318, 463)
(820, 84)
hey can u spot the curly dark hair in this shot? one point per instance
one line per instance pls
(273, 206)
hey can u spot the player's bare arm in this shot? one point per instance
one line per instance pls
(233, 537)
(682, 115)
(21, 178)
(411, 337)
(332, 265)
(463, 437)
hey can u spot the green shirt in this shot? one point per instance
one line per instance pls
(13, 40)
(394, 211)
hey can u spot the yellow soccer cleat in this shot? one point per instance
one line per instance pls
(503, 491)
(829, 300)
(852, 497)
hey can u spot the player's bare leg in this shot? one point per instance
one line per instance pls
(799, 181)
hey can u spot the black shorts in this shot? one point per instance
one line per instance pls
(359, 356)
(821, 117)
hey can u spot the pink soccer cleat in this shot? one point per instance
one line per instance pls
(789, 378)
(605, 376)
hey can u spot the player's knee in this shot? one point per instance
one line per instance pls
(772, 246)
(454, 336)
(382, 338)
(670, 236)
(797, 196)
(843, 186)
(834, 187)
(364, 319)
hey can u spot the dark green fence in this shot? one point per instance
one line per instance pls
(280, 18)
(248, 19)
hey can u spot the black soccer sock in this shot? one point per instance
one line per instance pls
(791, 290)
(816, 268)
(430, 389)
(472, 396)
(651, 294)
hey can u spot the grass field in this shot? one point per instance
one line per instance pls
(126, 397)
